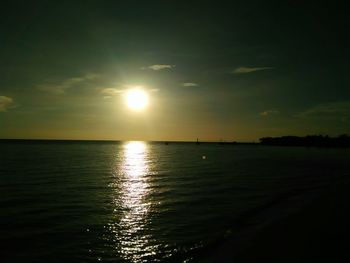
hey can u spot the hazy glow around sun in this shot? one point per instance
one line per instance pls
(136, 99)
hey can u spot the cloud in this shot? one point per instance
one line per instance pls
(334, 110)
(5, 103)
(157, 67)
(190, 84)
(269, 112)
(60, 88)
(245, 70)
(111, 91)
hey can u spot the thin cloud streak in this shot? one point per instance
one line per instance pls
(158, 67)
(246, 70)
(334, 110)
(190, 84)
(268, 113)
(111, 91)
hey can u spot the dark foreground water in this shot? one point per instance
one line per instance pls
(138, 202)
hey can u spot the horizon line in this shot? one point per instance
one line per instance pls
(113, 140)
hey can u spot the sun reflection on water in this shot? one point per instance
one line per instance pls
(131, 203)
(135, 169)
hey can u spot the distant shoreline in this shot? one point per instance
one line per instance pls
(342, 141)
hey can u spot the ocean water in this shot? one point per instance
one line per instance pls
(143, 202)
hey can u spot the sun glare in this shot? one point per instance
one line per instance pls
(137, 99)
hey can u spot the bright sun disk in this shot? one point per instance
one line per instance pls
(136, 99)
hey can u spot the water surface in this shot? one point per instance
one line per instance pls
(138, 201)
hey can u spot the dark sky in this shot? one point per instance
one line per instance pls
(213, 70)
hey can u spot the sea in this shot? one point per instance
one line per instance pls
(106, 201)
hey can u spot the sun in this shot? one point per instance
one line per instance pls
(137, 99)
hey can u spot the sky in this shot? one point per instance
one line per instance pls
(232, 71)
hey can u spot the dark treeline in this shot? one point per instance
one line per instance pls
(310, 140)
